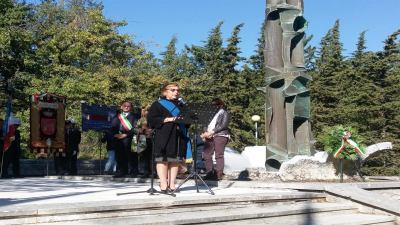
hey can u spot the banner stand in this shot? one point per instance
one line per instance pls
(100, 147)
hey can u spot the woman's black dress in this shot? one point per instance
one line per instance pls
(169, 143)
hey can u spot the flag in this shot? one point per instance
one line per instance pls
(8, 127)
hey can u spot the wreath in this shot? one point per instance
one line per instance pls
(342, 142)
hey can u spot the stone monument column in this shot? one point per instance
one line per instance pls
(287, 95)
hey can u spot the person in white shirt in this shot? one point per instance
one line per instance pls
(215, 139)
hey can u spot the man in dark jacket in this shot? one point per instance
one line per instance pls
(123, 128)
(15, 152)
(1, 148)
(72, 141)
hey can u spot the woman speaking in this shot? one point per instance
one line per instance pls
(170, 138)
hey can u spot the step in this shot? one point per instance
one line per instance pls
(156, 202)
(327, 218)
(195, 214)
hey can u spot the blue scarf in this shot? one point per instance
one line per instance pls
(175, 111)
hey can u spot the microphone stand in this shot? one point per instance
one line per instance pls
(194, 173)
(151, 190)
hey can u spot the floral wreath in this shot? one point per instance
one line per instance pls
(342, 142)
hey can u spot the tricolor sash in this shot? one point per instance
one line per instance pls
(125, 122)
(175, 111)
(353, 144)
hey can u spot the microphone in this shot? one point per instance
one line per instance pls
(181, 101)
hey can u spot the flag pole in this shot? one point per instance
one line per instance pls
(2, 160)
(5, 126)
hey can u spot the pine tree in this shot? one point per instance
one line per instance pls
(309, 54)
(257, 60)
(326, 87)
(169, 62)
(361, 97)
(234, 81)
(391, 57)
(209, 63)
(386, 77)
(255, 79)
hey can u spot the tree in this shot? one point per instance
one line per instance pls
(326, 88)
(176, 66)
(16, 52)
(360, 102)
(309, 54)
(78, 53)
(169, 62)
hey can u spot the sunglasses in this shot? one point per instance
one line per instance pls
(174, 90)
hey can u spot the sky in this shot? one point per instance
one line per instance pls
(155, 22)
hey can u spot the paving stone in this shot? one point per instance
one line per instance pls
(48, 200)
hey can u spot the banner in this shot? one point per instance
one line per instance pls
(47, 123)
(97, 117)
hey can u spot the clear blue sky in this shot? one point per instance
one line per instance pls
(154, 22)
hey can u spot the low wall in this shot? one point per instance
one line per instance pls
(39, 167)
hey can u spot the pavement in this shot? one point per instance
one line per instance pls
(48, 190)
(36, 192)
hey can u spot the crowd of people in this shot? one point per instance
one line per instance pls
(136, 145)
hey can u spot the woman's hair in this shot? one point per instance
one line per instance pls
(144, 110)
(166, 86)
(218, 102)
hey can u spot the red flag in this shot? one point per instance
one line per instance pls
(9, 137)
(8, 127)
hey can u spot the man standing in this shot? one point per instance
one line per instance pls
(72, 141)
(15, 150)
(1, 147)
(123, 128)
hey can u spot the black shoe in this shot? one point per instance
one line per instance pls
(166, 191)
(212, 175)
(143, 176)
(119, 175)
(220, 175)
(172, 190)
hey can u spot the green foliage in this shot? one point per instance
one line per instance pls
(217, 75)
(331, 138)
(361, 91)
(325, 88)
(70, 48)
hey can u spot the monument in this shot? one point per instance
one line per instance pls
(287, 96)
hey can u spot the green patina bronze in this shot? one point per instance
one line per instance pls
(287, 95)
